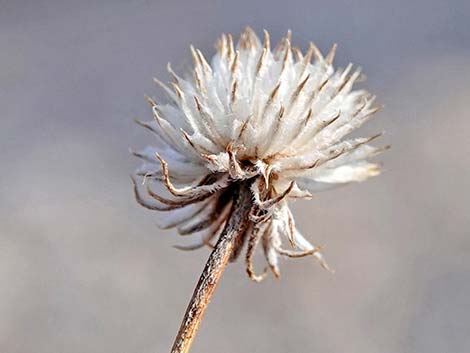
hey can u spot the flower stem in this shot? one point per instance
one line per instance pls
(213, 269)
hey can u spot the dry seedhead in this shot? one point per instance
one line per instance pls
(241, 136)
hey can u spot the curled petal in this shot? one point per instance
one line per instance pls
(205, 236)
(303, 244)
(175, 204)
(296, 254)
(275, 200)
(206, 219)
(176, 218)
(191, 191)
(179, 202)
(253, 241)
(151, 206)
(271, 240)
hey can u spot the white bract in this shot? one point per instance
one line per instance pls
(276, 119)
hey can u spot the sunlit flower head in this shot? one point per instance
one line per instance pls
(274, 119)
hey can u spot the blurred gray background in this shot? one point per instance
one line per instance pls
(84, 269)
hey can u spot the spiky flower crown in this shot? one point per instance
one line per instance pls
(273, 119)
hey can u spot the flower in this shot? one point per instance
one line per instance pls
(274, 119)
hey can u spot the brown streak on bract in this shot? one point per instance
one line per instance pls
(178, 90)
(289, 35)
(146, 126)
(198, 82)
(164, 87)
(308, 57)
(243, 128)
(198, 104)
(273, 94)
(331, 55)
(187, 137)
(290, 223)
(204, 62)
(297, 53)
(299, 89)
(350, 80)
(335, 117)
(234, 91)
(313, 165)
(267, 41)
(286, 56)
(308, 117)
(234, 65)
(223, 45)
(379, 150)
(280, 115)
(174, 76)
(196, 59)
(316, 52)
(150, 101)
(259, 65)
(322, 85)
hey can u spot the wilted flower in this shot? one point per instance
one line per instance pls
(273, 122)
(276, 119)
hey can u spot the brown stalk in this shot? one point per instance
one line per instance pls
(215, 265)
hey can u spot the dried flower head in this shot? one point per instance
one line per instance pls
(240, 137)
(274, 118)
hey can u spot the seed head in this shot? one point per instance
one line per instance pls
(276, 119)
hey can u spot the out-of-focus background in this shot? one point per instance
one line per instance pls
(84, 269)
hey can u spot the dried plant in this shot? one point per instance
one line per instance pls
(243, 136)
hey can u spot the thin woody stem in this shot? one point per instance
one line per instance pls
(215, 265)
